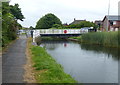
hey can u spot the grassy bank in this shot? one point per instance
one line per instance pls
(102, 38)
(75, 38)
(47, 70)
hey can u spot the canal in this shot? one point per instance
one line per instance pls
(85, 63)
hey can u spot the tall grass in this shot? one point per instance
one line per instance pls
(48, 70)
(102, 38)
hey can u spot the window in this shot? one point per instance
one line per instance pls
(114, 22)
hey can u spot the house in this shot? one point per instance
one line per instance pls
(76, 21)
(111, 23)
(65, 24)
(99, 23)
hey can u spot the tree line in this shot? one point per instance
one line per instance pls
(10, 16)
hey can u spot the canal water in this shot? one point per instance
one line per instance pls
(85, 63)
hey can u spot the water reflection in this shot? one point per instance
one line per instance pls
(110, 52)
(100, 49)
(52, 45)
(65, 44)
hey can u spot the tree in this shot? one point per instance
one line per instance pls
(19, 26)
(16, 11)
(86, 24)
(48, 21)
(31, 27)
(5, 8)
(10, 26)
(57, 26)
(83, 24)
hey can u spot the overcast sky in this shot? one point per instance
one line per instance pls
(66, 10)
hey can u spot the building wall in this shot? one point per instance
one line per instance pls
(118, 24)
(112, 25)
(115, 26)
(105, 26)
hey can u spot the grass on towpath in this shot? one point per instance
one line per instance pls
(46, 69)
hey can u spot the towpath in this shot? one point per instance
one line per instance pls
(13, 61)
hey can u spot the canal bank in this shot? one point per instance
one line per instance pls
(107, 39)
(46, 69)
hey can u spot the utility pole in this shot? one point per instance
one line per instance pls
(108, 15)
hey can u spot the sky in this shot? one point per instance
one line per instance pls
(65, 10)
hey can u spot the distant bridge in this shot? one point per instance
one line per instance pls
(58, 32)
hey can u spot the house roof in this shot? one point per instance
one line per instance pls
(77, 21)
(112, 17)
(98, 21)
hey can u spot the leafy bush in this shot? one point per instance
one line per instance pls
(10, 15)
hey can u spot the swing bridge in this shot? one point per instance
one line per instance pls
(58, 32)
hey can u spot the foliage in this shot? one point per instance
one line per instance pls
(102, 38)
(57, 26)
(82, 24)
(16, 11)
(5, 8)
(47, 21)
(86, 24)
(9, 25)
(19, 25)
(48, 70)
(31, 27)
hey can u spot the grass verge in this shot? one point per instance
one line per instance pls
(75, 38)
(29, 70)
(47, 70)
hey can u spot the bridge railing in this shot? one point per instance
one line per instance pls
(57, 31)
